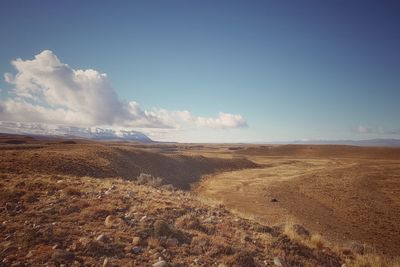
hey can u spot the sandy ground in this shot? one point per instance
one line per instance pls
(351, 197)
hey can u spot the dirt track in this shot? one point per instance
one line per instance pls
(350, 197)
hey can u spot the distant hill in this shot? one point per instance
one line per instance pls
(96, 133)
(368, 142)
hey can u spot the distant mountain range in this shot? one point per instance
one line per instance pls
(72, 132)
(368, 142)
(99, 133)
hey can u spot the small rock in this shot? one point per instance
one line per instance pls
(30, 254)
(344, 265)
(277, 262)
(161, 228)
(73, 246)
(102, 238)
(172, 242)
(161, 264)
(156, 256)
(152, 251)
(83, 241)
(107, 263)
(136, 250)
(111, 221)
(274, 200)
(136, 240)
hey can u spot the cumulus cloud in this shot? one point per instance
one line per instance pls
(46, 90)
(49, 91)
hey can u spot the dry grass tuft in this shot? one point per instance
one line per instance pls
(298, 233)
(220, 247)
(31, 197)
(72, 191)
(213, 246)
(11, 195)
(153, 242)
(288, 230)
(295, 231)
(188, 222)
(373, 260)
(98, 249)
(147, 179)
(241, 259)
(161, 228)
(317, 241)
(200, 244)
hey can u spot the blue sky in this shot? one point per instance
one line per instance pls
(291, 69)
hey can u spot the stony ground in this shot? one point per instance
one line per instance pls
(82, 221)
(53, 216)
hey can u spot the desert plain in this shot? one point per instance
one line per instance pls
(68, 202)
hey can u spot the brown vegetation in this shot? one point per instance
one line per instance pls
(81, 205)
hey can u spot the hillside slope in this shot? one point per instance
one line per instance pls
(101, 160)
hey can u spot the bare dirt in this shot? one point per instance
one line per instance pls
(345, 193)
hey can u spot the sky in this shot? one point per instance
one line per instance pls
(205, 71)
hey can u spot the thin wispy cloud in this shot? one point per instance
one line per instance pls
(224, 120)
(45, 90)
(361, 129)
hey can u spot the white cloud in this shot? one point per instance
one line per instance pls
(178, 118)
(45, 90)
(49, 91)
(224, 120)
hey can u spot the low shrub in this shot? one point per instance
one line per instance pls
(147, 179)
